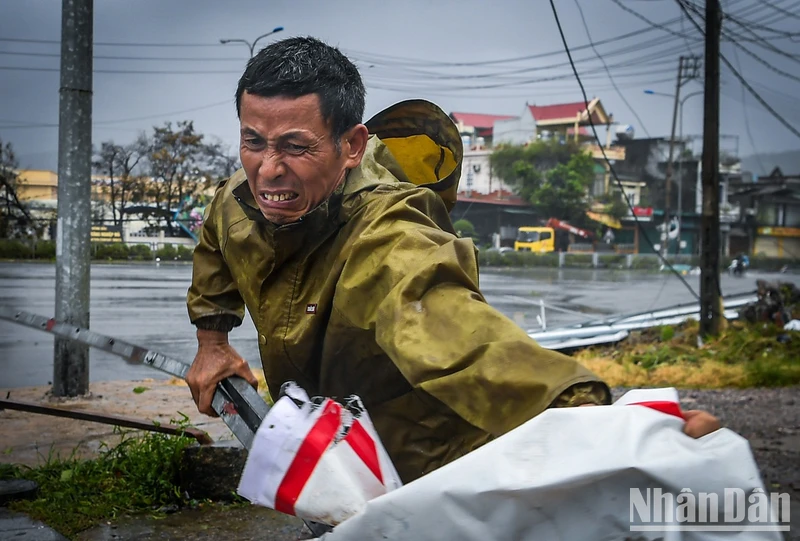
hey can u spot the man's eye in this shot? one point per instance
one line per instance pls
(292, 148)
(253, 142)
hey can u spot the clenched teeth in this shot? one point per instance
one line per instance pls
(280, 197)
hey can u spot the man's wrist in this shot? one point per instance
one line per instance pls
(207, 337)
(218, 322)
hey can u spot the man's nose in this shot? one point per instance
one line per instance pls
(272, 166)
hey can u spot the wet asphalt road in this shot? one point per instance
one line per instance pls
(145, 304)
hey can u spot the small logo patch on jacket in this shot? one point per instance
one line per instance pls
(311, 309)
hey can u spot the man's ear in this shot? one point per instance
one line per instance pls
(354, 144)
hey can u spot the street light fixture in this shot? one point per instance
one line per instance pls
(680, 161)
(252, 45)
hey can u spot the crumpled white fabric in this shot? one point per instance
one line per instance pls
(564, 475)
(793, 325)
(325, 482)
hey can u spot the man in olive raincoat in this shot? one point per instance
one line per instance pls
(335, 236)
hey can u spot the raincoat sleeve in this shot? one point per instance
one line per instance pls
(432, 321)
(213, 299)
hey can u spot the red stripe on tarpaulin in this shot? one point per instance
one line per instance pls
(364, 446)
(317, 441)
(664, 406)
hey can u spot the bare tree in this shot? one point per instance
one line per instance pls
(117, 163)
(175, 163)
(15, 218)
(220, 162)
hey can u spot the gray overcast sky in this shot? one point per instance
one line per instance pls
(404, 49)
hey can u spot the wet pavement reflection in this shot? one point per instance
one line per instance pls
(145, 304)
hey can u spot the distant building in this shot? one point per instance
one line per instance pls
(39, 187)
(477, 129)
(482, 190)
(477, 176)
(557, 121)
(643, 177)
(770, 217)
(38, 190)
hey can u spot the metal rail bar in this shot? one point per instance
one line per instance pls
(235, 401)
(107, 419)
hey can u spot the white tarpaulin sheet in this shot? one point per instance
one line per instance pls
(570, 475)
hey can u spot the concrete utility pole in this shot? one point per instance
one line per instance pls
(709, 257)
(687, 70)
(71, 360)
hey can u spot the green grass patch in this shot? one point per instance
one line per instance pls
(743, 355)
(140, 474)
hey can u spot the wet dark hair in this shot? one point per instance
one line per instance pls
(297, 67)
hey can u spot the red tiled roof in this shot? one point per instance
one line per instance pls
(478, 120)
(559, 110)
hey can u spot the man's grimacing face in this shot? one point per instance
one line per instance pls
(289, 156)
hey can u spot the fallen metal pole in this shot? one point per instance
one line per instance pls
(107, 419)
(235, 401)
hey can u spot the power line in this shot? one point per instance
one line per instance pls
(101, 123)
(610, 78)
(427, 74)
(484, 95)
(439, 75)
(147, 58)
(380, 57)
(747, 118)
(651, 23)
(759, 40)
(114, 44)
(130, 72)
(751, 24)
(780, 10)
(405, 60)
(605, 157)
(742, 80)
(764, 62)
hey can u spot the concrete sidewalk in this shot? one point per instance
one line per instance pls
(28, 438)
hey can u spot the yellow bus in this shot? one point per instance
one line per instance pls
(535, 239)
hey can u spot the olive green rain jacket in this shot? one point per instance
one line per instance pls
(373, 294)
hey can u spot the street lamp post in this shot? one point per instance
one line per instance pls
(680, 161)
(252, 46)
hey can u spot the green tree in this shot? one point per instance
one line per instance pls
(464, 228)
(553, 177)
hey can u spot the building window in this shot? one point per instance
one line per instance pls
(599, 187)
(792, 216)
(768, 214)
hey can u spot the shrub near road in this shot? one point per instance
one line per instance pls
(743, 355)
(46, 250)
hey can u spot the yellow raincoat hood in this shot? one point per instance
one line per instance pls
(425, 143)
